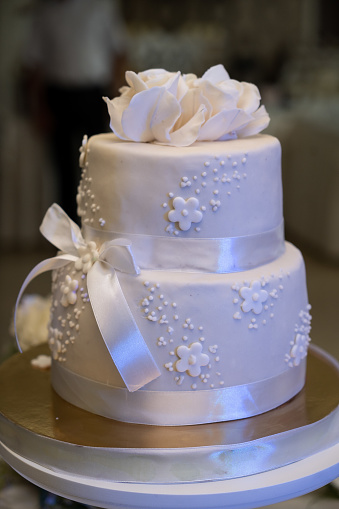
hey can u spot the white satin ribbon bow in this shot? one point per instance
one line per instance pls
(122, 337)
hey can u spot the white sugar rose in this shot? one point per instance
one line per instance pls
(232, 107)
(157, 106)
(175, 109)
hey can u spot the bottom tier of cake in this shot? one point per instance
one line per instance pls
(219, 346)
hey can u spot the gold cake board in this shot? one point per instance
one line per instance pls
(41, 436)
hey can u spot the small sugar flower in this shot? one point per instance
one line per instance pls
(253, 297)
(54, 342)
(185, 212)
(69, 291)
(83, 151)
(298, 350)
(191, 359)
(87, 256)
(41, 362)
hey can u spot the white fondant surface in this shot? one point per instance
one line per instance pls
(130, 187)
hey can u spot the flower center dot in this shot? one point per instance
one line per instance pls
(192, 360)
(255, 297)
(184, 212)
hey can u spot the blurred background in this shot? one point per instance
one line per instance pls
(289, 48)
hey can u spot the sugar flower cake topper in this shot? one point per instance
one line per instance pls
(179, 109)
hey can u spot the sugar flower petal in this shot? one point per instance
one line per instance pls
(259, 122)
(216, 74)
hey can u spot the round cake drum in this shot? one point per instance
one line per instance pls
(35, 423)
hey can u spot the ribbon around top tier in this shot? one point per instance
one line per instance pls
(213, 255)
(122, 337)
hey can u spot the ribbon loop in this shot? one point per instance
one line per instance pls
(61, 231)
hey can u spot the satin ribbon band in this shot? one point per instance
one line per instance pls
(217, 255)
(168, 408)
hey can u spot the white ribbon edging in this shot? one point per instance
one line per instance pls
(174, 408)
(122, 337)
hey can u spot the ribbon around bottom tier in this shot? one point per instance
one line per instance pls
(177, 408)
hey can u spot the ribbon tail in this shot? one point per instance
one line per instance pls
(44, 266)
(118, 328)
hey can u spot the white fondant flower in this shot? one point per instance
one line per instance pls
(299, 349)
(157, 105)
(79, 198)
(87, 256)
(32, 320)
(253, 297)
(69, 291)
(176, 109)
(185, 212)
(191, 359)
(41, 362)
(233, 107)
(83, 151)
(54, 342)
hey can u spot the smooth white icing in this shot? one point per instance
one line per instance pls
(132, 186)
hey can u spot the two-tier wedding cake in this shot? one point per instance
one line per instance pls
(178, 301)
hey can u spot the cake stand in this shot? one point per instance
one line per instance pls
(68, 451)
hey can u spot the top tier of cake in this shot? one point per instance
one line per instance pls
(207, 190)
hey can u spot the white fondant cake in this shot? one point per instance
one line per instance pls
(179, 302)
